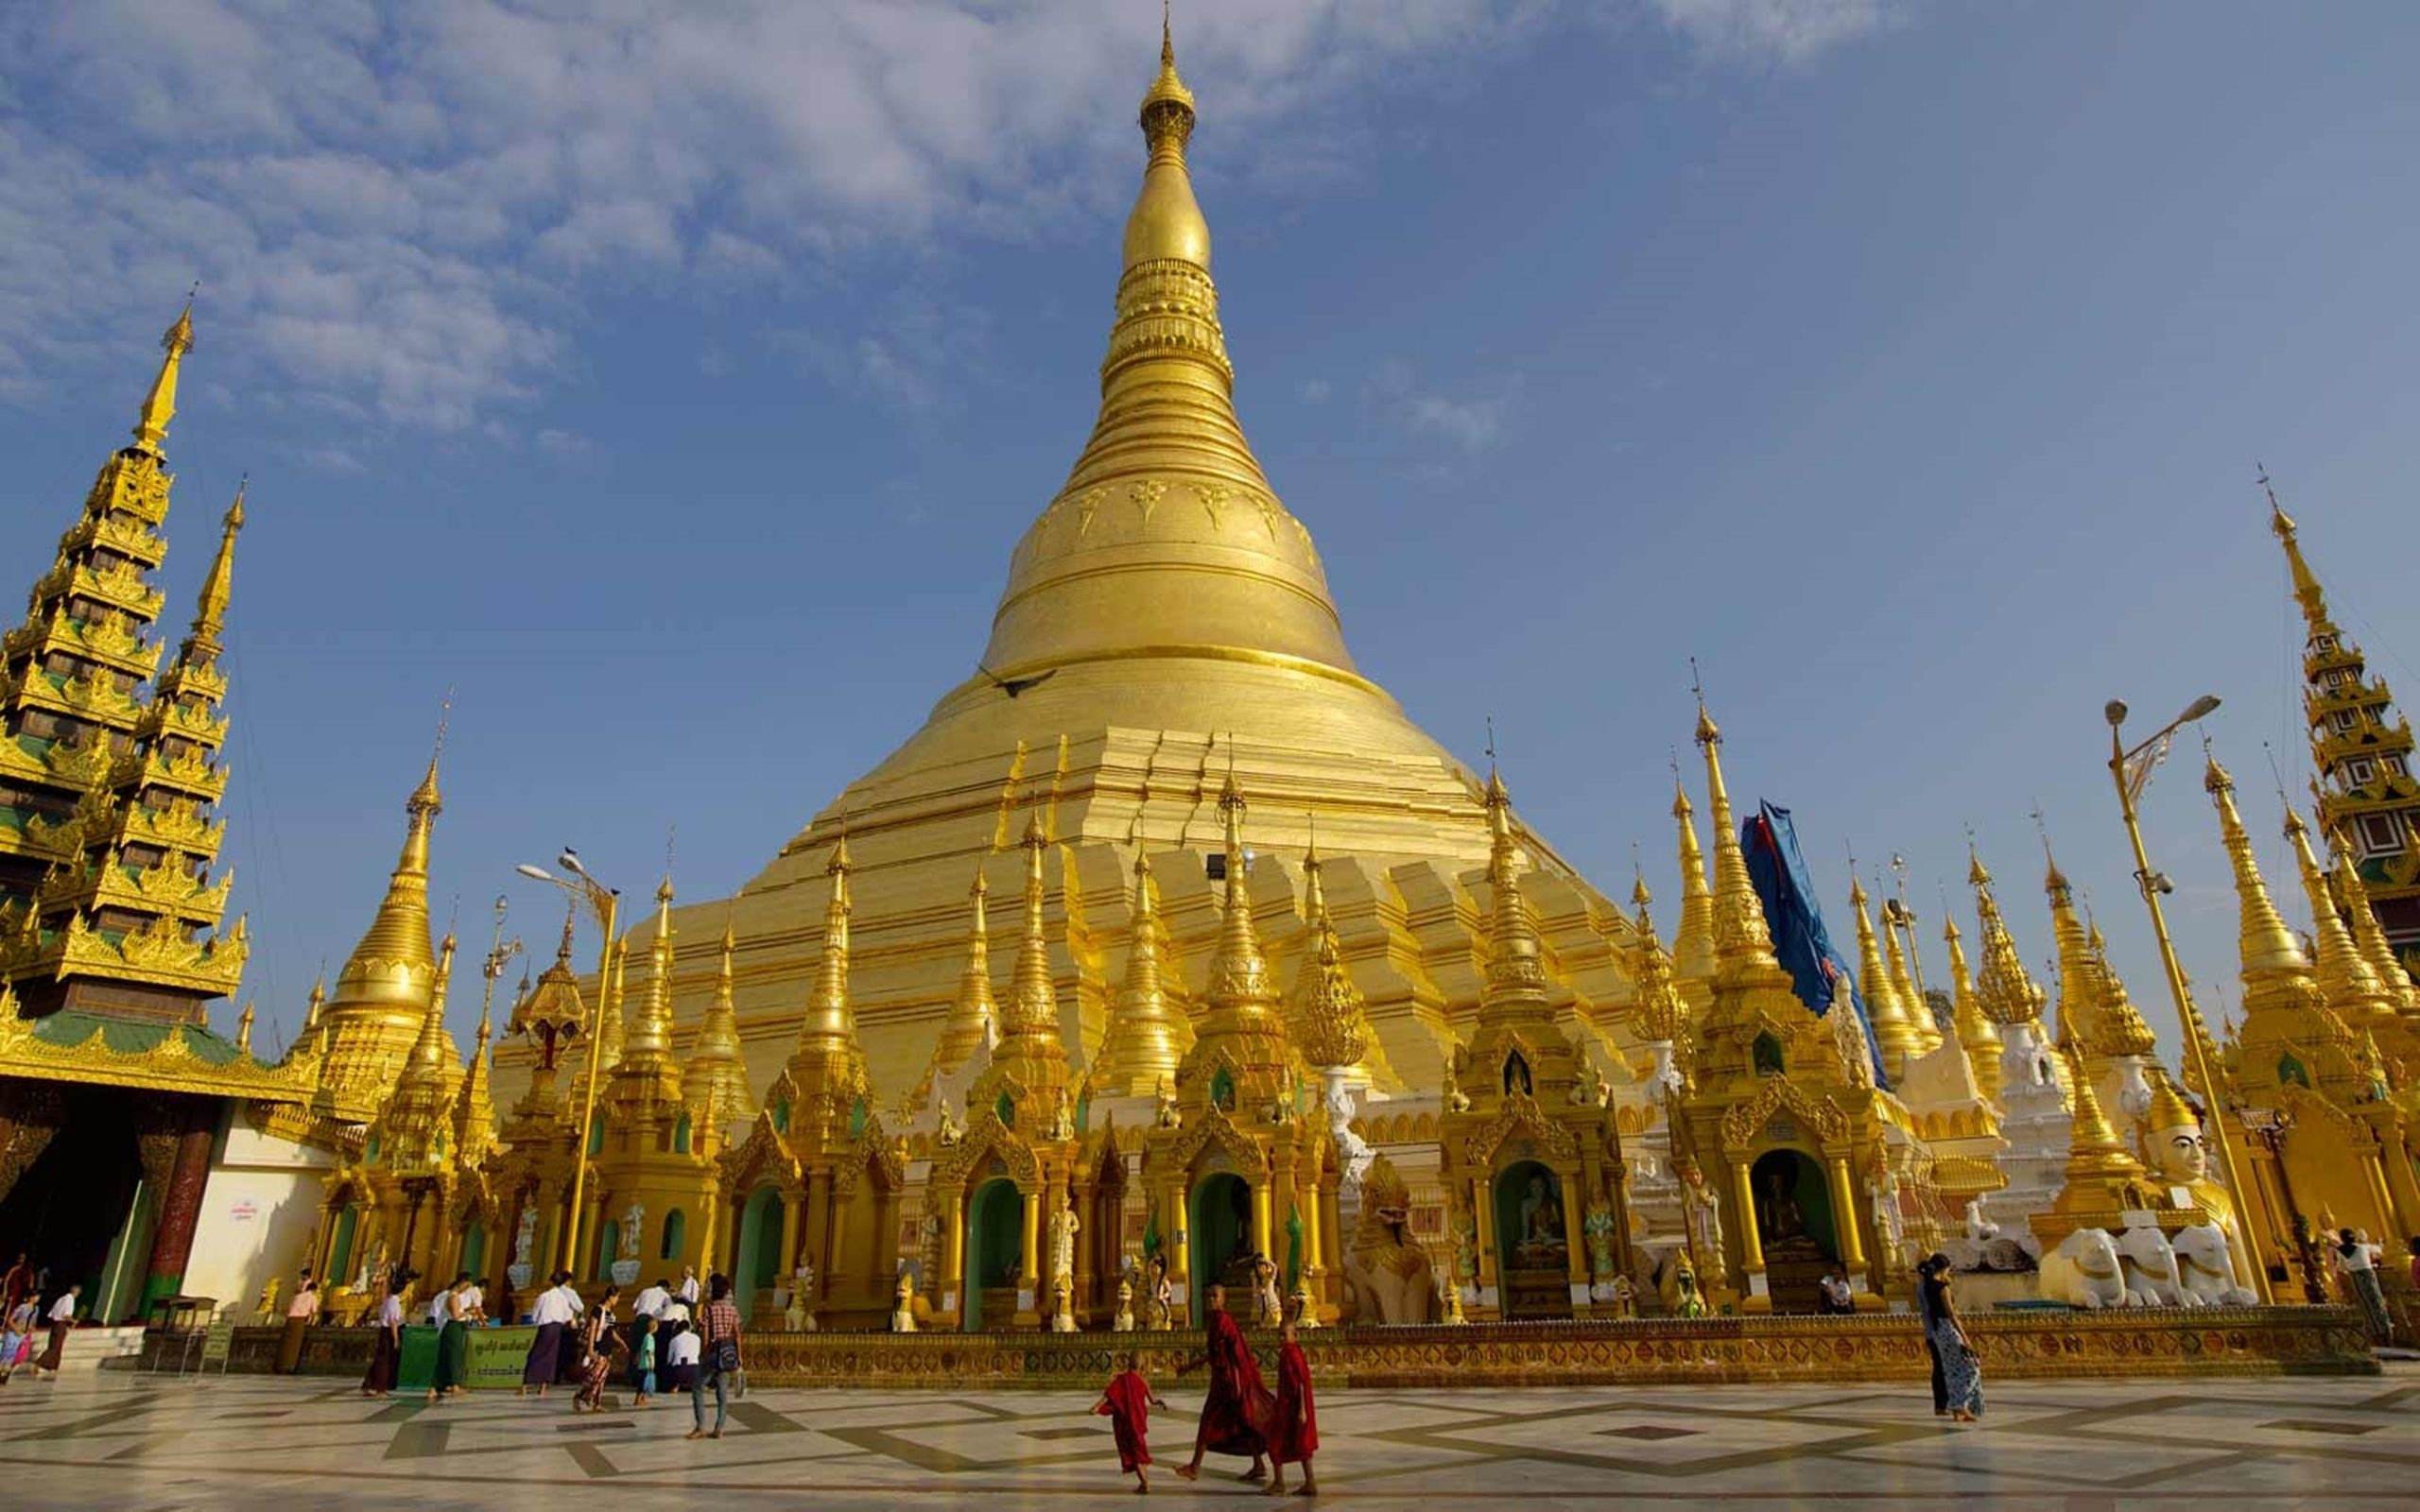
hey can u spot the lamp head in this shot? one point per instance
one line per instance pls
(2199, 708)
(534, 873)
(502, 905)
(2114, 711)
(569, 861)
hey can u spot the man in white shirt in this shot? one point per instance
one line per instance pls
(689, 1284)
(472, 1307)
(652, 1302)
(441, 1307)
(553, 1313)
(63, 1323)
(681, 1360)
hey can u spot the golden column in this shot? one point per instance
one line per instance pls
(2130, 770)
(606, 904)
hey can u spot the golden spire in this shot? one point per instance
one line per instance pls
(1329, 1017)
(650, 1045)
(1239, 1021)
(2307, 590)
(1167, 538)
(475, 1104)
(2367, 934)
(714, 1080)
(1516, 988)
(609, 1043)
(2007, 992)
(1029, 1027)
(1894, 1032)
(1145, 1039)
(972, 1012)
(200, 646)
(411, 1124)
(160, 406)
(2099, 1168)
(830, 1025)
(1693, 942)
(1903, 983)
(2351, 985)
(1742, 943)
(1976, 1034)
(2266, 944)
(1658, 1012)
(244, 1029)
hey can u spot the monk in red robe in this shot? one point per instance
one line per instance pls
(1235, 1419)
(1127, 1405)
(1294, 1427)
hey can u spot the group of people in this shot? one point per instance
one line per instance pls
(22, 1316)
(1241, 1416)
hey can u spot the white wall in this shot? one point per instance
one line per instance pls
(257, 1215)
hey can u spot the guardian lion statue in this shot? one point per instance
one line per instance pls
(2084, 1271)
(1387, 1270)
(2151, 1268)
(2205, 1269)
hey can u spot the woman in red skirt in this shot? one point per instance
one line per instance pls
(1294, 1428)
(596, 1363)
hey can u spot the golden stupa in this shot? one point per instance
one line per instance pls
(1166, 623)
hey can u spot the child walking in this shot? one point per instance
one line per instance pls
(645, 1364)
(1294, 1428)
(1127, 1403)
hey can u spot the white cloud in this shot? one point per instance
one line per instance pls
(395, 207)
(1471, 423)
(563, 443)
(1789, 31)
(1314, 390)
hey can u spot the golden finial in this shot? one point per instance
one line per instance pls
(830, 1017)
(244, 1029)
(1742, 942)
(2266, 943)
(1895, 1031)
(2307, 590)
(1516, 978)
(209, 607)
(426, 798)
(2008, 995)
(1658, 1011)
(1976, 1034)
(160, 406)
(2350, 983)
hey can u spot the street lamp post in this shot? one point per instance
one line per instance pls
(606, 904)
(2130, 779)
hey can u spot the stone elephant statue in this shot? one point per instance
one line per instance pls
(2205, 1269)
(2085, 1271)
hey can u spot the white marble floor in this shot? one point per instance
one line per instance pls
(115, 1439)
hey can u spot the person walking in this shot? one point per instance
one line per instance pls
(719, 1329)
(453, 1339)
(299, 1315)
(1925, 1269)
(599, 1342)
(1962, 1373)
(555, 1307)
(1127, 1402)
(681, 1353)
(16, 1285)
(1235, 1417)
(16, 1336)
(63, 1323)
(1294, 1427)
(387, 1351)
(2357, 1265)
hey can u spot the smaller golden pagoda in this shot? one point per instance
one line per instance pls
(2301, 1070)
(1148, 1035)
(1893, 1018)
(1976, 1034)
(815, 1187)
(382, 995)
(1240, 1162)
(1528, 1140)
(1784, 1101)
(993, 1180)
(1693, 939)
(653, 1193)
(531, 1172)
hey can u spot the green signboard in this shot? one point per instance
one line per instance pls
(497, 1356)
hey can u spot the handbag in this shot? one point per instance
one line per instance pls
(722, 1357)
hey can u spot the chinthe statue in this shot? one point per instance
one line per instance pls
(903, 1304)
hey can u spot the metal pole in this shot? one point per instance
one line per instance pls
(609, 913)
(2186, 1015)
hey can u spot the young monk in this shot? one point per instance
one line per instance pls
(1126, 1405)
(1237, 1408)
(1294, 1428)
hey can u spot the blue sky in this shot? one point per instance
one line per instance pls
(674, 389)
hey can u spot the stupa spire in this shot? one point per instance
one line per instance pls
(650, 1036)
(1516, 988)
(160, 404)
(1146, 1037)
(2005, 990)
(475, 1104)
(2346, 976)
(1167, 538)
(383, 989)
(714, 1079)
(2308, 593)
(1743, 942)
(828, 1051)
(1976, 1034)
(1693, 939)
(1658, 1013)
(1895, 1032)
(2263, 939)
(200, 648)
(973, 1014)
(2367, 932)
(1029, 1027)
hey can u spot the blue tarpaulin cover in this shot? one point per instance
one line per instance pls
(1805, 948)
